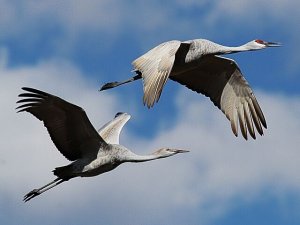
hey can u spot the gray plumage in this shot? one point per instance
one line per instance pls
(197, 65)
(92, 152)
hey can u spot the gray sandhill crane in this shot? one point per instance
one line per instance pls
(197, 65)
(74, 136)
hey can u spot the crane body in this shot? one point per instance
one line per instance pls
(91, 152)
(199, 65)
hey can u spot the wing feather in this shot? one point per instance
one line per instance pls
(221, 80)
(67, 124)
(155, 67)
(248, 117)
(110, 132)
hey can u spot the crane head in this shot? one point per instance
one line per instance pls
(267, 43)
(166, 152)
(260, 44)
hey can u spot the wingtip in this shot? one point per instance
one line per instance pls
(253, 135)
(24, 88)
(32, 91)
(28, 89)
(264, 123)
(148, 103)
(19, 110)
(234, 128)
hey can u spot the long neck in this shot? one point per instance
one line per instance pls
(216, 49)
(242, 48)
(132, 157)
(229, 50)
(202, 47)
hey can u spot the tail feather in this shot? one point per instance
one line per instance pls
(63, 172)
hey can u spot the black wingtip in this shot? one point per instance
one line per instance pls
(253, 135)
(35, 91)
(264, 123)
(30, 98)
(20, 110)
(29, 89)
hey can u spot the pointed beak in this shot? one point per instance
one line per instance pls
(179, 150)
(273, 44)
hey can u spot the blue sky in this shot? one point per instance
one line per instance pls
(70, 48)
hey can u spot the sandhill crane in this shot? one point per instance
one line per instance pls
(74, 136)
(197, 65)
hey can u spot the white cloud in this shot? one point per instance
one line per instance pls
(77, 16)
(255, 10)
(112, 17)
(219, 168)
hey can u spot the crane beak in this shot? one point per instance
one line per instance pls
(178, 150)
(273, 44)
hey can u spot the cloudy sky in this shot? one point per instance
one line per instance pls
(70, 48)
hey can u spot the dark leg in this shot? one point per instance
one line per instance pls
(39, 191)
(115, 84)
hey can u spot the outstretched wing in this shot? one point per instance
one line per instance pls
(110, 132)
(155, 67)
(221, 79)
(67, 124)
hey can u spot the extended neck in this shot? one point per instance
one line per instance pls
(230, 50)
(132, 157)
(202, 47)
(216, 49)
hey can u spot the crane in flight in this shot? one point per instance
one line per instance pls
(92, 152)
(197, 64)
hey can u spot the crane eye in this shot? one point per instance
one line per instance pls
(259, 41)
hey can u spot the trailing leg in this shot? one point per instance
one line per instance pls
(36, 192)
(116, 83)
